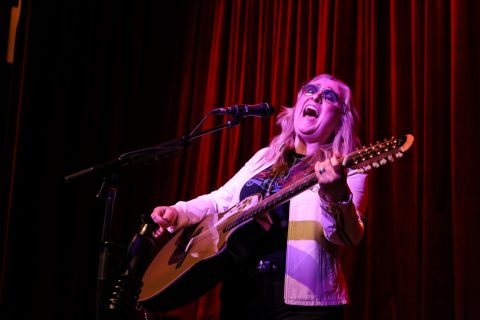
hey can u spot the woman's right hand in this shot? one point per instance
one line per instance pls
(165, 217)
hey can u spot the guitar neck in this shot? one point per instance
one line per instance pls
(361, 160)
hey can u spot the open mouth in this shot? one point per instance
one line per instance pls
(310, 111)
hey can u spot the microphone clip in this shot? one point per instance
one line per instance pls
(245, 110)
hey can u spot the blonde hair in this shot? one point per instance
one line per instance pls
(343, 141)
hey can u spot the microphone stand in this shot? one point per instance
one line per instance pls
(123, 299)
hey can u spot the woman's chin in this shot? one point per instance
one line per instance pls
(306, 131)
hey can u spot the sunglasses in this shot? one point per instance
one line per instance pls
(326, 95)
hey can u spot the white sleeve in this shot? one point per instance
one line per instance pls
(193, 211)
(342, 221)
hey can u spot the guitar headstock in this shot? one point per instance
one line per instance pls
(378, 154)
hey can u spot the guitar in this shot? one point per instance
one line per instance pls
(185, 267)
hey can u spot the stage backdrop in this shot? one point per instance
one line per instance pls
(92, 80)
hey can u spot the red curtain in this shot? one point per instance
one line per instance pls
(412, 66)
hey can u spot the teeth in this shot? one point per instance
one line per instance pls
(310, 111)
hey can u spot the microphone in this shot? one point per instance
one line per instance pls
(245, 110)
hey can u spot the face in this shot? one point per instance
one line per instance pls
(318, 111)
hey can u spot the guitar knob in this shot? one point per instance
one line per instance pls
(375, 165)
(383, 161)
(399, 154)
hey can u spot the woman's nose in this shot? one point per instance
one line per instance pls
(318, 97)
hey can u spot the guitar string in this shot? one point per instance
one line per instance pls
(247, 214)
(222, 225)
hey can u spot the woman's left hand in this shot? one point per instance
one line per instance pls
(332, 179)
